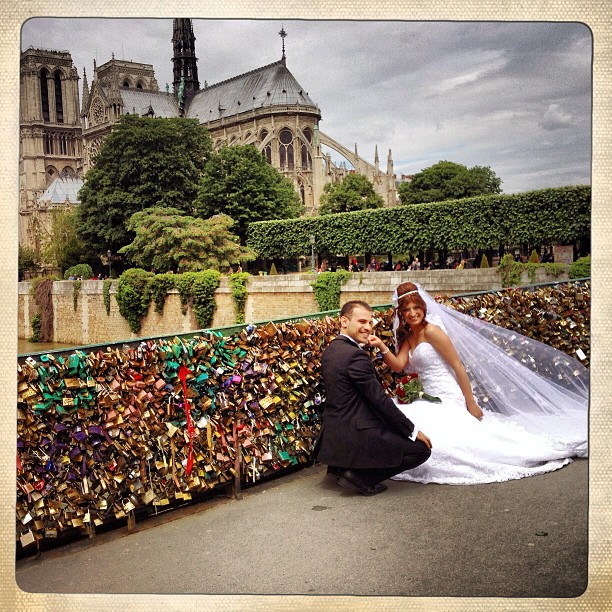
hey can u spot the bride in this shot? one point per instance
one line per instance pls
(530, 413)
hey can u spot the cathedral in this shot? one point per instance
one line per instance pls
(265, 107)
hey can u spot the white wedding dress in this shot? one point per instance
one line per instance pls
(468, 451)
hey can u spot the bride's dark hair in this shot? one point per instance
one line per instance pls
(408, 293)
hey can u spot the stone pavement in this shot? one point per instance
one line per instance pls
(302, 534)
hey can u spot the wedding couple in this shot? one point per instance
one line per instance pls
(534, 416)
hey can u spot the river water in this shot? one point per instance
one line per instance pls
(37, 347)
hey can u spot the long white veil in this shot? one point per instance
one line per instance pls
(543, 389)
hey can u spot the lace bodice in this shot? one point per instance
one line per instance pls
(436, 375)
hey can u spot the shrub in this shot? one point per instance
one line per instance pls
(239, 293)
(159, 286)
(581, 268)
(327, 289)
(36, 324)
(273, 270)
(106, 295)
(80, 270)
(203, 290)
(133, 296)
(76, 288)
(184, 283)
(510, 271)
(533, 258)
(484, 262)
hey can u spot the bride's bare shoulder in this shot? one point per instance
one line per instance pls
(433, 332)
(432, 328)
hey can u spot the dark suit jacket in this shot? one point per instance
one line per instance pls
(361, 426)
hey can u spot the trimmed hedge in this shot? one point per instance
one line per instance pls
(557, 216)
(581, 268)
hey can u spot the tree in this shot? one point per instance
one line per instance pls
(448, 181)
(62, 247)
(142, 163)
(239, 182)
(484, 181)
(27, 261)
(167, 239)
(355, 192)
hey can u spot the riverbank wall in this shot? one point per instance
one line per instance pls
(80, 318)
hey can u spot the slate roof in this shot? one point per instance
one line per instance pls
(62, 189)
(265, 87)
(137, 101)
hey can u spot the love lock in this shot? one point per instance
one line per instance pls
(127, 505)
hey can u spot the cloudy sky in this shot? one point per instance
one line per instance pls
(512, 96)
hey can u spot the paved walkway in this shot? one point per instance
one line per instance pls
(302, 534)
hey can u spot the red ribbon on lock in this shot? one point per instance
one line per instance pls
(182, 373)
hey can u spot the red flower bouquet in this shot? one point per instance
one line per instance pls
(410, 388)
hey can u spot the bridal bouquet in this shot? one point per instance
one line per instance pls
(410, 388)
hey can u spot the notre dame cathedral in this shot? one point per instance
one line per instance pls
(265, 107)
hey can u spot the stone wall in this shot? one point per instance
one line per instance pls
(269, 297)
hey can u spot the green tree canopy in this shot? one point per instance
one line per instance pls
(448, 181)
(240, 183)
(167, 239)
(355, 192)
(142, 163)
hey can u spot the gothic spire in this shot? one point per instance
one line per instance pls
(185, 68)
(85, 97)
(283, 35)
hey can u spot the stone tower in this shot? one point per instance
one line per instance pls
(184, 60)
(50, 133)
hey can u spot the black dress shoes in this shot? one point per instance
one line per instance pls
(349, 480)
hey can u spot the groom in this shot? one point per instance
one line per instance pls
(364, 437)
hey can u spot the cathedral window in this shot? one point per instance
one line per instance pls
(267, 153)
(263, 135)
(306, 159)
(308, 134)
(44, 94)
(285, 149)
(59, 107)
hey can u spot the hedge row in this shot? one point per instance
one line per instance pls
(547, 216)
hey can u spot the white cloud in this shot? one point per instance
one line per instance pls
(554, 118)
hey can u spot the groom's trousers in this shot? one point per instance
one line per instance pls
(416, 453)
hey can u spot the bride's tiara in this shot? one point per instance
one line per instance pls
(399, 297)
